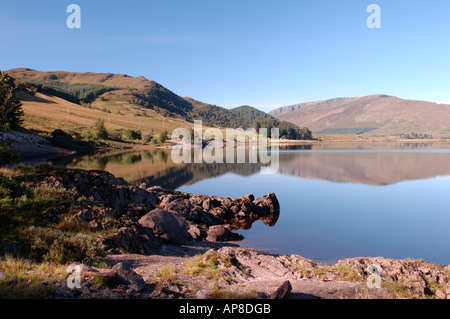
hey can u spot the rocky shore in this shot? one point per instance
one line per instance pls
(167, 244)
(33, 148)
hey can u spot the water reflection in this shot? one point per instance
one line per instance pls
(370, 164)
(155, 167)
(327, 211)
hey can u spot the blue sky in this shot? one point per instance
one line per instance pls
(256, 52)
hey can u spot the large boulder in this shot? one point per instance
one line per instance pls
(168, 225)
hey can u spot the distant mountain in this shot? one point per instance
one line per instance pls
(370, 115)
(102, 90)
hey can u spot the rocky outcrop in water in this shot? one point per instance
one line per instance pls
(215, 218)
(138, 219)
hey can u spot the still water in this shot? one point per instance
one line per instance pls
(337, 200)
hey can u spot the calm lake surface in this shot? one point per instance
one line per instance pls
(337, 200)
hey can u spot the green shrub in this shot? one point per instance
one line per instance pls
(131, 135)
(164, 136)
(99, 131)
(87, 134)
(96, 132)
(147, 138)
(61, 139)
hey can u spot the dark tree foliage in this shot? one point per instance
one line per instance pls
(162, 100)
(10, 115)
(75, 93)
(131, 135)
(416, 136)
(10, 107)
(61, 139)
(287, 130)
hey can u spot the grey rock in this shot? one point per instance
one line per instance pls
(282, 292)
(169, 226)
(128, 276)
(221, 233)
(134, 239)
(194, 231)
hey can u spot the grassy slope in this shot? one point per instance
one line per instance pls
(135, 98)
(47, 113)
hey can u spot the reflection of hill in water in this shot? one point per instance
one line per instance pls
(155, 167)
(371, 168)
(190, 173)
(375, 167)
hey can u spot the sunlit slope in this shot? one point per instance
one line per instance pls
(369, 115)
(44, 113)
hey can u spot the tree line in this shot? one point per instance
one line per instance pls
(287, 130)
(415, 136)
(77, 93)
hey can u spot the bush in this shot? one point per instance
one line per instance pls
(61, 139)
(96, 132)
(99, 131)
(147, 138)
(164, 136)
(87, 134)
(114, 136)
(131, 135)
(7, 157)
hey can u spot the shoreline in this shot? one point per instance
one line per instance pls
(34, 149)
(151, 260)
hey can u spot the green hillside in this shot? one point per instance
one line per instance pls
(146, 101)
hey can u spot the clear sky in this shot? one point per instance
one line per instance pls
(256, 52)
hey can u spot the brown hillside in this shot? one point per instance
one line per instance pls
(375, 114)
(106, 79)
